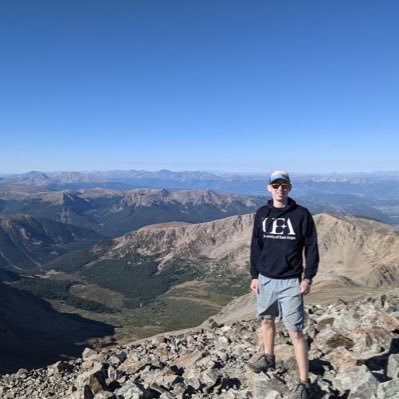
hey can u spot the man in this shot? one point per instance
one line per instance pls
(283, 231)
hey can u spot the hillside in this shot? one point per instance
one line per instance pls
(33, 334)
(357, 252)
(191, 251)
(353, 251)
(183, 273)
(26, 241)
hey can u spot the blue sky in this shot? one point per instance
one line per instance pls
(231, 85)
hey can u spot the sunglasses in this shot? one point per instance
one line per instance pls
(284, 186)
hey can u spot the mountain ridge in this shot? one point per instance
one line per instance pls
(347, 193)
(114, 212)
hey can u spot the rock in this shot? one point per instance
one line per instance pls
(132, 365)
(268, 388)
(116, 360)
(189, 360)
(370, 338)
(93, 379)
(225, 329)
(114, 373)
(342, 360)
(130, 391)
(167, 378)
(104, 395)
(191, 378)
(210, 377)
(166, 395)
(388, 389)
(337, 340)
(360, 383)
(393, 366)
(222, 342)
(285, 352)
(58, 368)
(97, 382)
(88, 353)
(22, 373)
(88, 364)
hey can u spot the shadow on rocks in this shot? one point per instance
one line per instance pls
(228, 383)
(378, 364)
(319, 367)
(319, 393)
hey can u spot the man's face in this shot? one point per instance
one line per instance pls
(279, 190)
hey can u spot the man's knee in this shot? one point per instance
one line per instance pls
(267, 323)
(296, 335)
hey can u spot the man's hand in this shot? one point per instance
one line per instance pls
(305, 287)
(254, 285)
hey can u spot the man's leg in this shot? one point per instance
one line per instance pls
(267, 310)
(302, 389)
(301, 354)
(267, 361)
(268, 335)
(292, 309)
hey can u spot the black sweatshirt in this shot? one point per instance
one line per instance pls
(280, 237)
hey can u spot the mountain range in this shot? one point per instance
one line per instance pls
(374, 195)
(114, 212)
(351, 183)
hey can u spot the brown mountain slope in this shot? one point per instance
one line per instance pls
(353, 251)
(161, 268)
(358, 251)
(221, 239)
(357, 257)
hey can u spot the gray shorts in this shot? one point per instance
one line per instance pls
(282, 299)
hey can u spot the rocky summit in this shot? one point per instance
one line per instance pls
(354, 354)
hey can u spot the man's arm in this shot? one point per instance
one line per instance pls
(305, 287)
(254, 285)
(311, 248)
(256, 250)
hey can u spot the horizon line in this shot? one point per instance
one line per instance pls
(211, 171)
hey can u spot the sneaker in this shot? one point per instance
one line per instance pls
(264, 363)
(301, 391)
